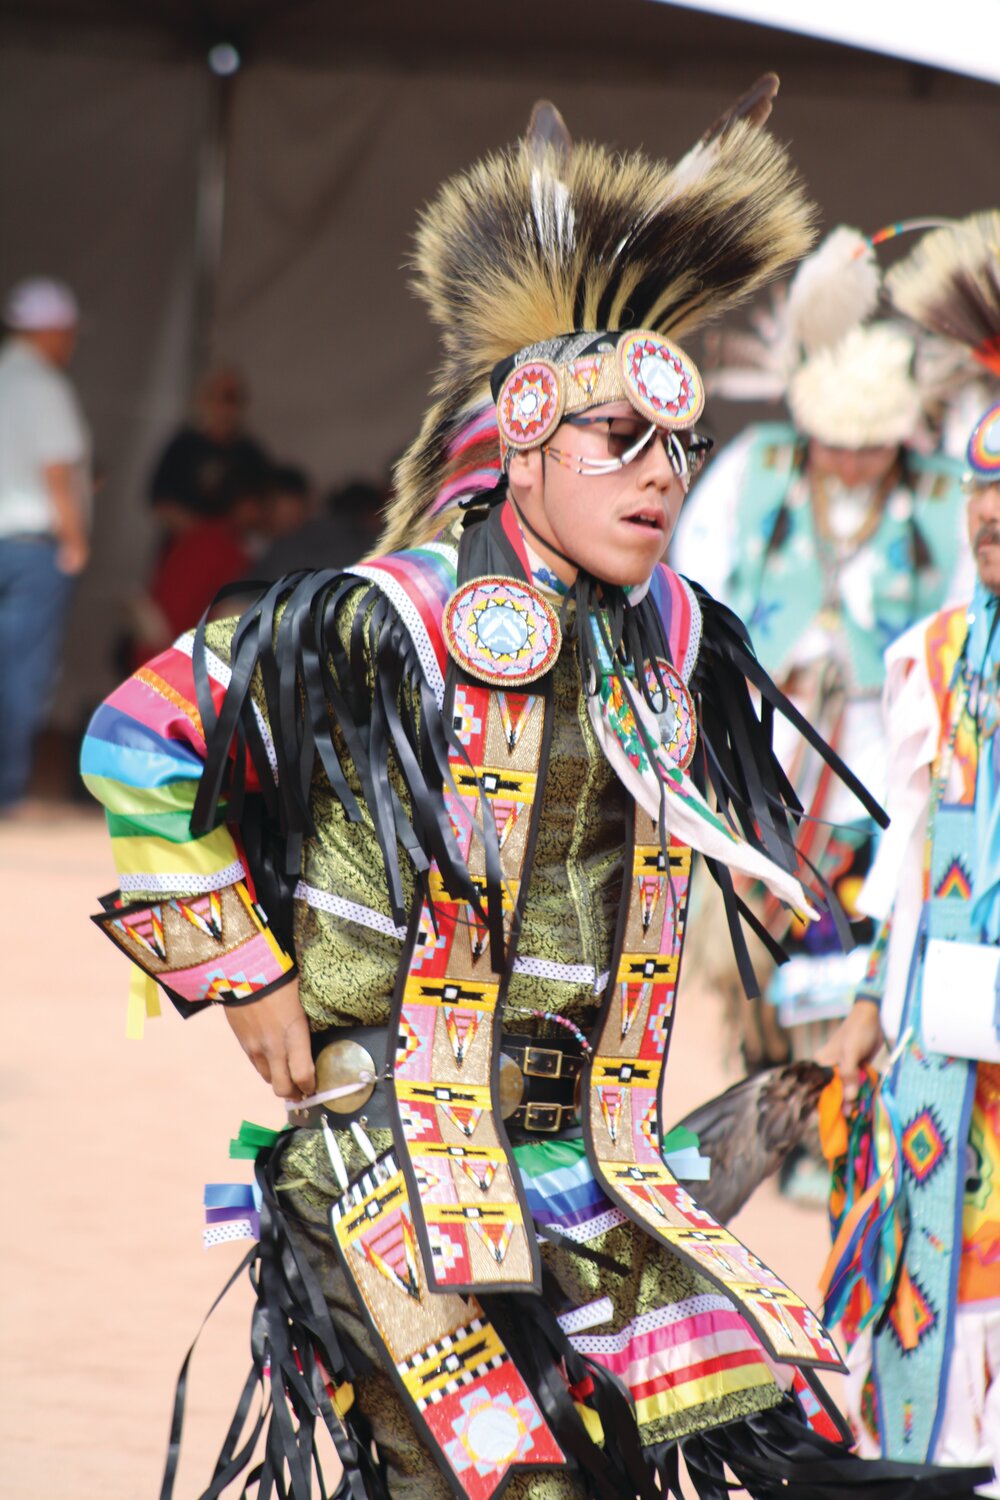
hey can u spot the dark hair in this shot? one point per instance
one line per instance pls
(290, 479)
(359, 497)
(244, 480)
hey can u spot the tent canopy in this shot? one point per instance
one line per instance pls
(339, 126)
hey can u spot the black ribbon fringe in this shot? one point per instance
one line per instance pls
(774, 1455)
(295, 1355)
(365, 711)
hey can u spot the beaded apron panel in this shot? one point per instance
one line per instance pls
(471, 1220)
(624, 1112)
(469, 1401)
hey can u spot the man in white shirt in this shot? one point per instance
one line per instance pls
(44, 512)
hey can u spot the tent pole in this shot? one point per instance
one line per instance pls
(210, 215)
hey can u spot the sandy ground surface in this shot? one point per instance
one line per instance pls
(105, 1145)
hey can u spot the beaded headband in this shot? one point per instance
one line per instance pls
(544, 383)
(983, 452)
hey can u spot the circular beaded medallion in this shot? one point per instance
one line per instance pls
(530, 405)
(984, 445)
(662, 382)
(501, 631)
(675, 715)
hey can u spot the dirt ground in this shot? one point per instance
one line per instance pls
(105, 1145)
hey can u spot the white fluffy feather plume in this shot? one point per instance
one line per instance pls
(834, 289)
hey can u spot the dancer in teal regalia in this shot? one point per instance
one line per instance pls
(923, 1322)
(830, 535)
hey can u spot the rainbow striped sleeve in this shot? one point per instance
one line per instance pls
(142, 758)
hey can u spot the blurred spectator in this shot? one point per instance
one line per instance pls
(341, 534)
(44, 512)
(291, 505)
(191, 478)
(198, 561)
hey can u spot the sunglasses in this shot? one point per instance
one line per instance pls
(626, 438)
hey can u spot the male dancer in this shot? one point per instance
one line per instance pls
(830, 534)
(459, 782)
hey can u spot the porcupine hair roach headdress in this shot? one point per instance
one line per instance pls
(950, 284)
(549, 239)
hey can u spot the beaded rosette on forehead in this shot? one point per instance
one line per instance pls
(547, 382)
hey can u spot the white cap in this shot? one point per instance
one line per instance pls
(38, 304)
(860, 393)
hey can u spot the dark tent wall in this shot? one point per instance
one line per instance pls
(327, 165)
(327, 171)
(98, 165)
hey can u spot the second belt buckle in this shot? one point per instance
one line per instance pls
(544, 1119)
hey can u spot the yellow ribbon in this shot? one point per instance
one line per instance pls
(143, 1001)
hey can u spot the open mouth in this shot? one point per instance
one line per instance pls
(651, 520)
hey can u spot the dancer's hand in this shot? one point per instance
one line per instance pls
(854, 1043)
(274, 1034)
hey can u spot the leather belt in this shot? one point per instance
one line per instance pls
(551, 1075)
(545, 1103)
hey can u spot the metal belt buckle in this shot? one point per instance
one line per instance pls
(542, 1062)
(544, 1119)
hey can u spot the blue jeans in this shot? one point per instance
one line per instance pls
(34, 598)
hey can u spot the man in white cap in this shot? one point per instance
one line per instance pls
(44, 511)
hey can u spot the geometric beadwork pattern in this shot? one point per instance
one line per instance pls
(623, 1118)
(925, 1318)
(471, 1225)
(933, 1094)
(215, 947)
(923, 1145)
(469, 1401)
(955, 884)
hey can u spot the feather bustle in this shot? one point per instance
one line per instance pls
(749, 1130)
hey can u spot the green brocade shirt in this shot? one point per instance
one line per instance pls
(349, 948)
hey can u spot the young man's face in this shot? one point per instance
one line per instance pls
(984, 533)
(615, 526)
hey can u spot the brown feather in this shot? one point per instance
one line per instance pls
(755, 105)
(547, 127)
(749, 1130)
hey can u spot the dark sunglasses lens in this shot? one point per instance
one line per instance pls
(623, 434)
(698, 449)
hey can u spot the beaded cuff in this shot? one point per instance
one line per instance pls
(202, 949)
(872, 986)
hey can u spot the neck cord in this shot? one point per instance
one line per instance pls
(522, 518)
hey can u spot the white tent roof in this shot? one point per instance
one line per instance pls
(965, 39)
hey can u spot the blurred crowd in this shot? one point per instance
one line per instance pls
(225, 512)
